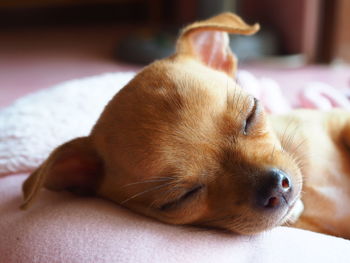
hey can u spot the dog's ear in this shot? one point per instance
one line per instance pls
(73, 166)
(208, 41)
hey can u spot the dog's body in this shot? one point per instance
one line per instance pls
(184, 144)
(323, 141)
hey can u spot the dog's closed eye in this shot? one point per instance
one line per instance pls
(185, 197)
(249, 121)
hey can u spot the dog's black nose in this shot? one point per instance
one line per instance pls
(273, 189)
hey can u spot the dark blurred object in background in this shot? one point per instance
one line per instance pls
(20, 13)
(158, 41)
(316, 30)
(145, 46)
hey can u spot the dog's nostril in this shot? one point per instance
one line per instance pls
(273, 187)
(272, 202)
(285, 183)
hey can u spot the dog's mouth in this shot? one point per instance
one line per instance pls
(290, 216)
(280, 210)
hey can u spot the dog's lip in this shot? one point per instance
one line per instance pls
(292, 204)
(290, 207)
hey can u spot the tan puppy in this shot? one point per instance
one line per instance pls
(184, 144)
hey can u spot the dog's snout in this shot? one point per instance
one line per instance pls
(273, 189)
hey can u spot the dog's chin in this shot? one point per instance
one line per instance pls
(294, 212)
(260, 223)
(254, 227)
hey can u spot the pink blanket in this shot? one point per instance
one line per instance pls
(70, 229)
(61, 227)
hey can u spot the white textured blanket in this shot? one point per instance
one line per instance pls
(35, 124)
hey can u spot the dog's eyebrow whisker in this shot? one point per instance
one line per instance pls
(272, 153)
(236, 102)
(301, 143)
(146, 191)
(240, 97)
(240, 102)
(299, 156)
(234, 97)
(237, 99)
(292, 135)
(246, 102)
(288, 139)
(227, 98)
(284, 133)
(235, 88)
(288, 144)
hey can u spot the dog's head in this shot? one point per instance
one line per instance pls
(183, 143)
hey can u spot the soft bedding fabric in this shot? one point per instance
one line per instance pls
(61, 227)
(35, 124)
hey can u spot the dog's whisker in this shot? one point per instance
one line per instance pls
(291, 137)
(241, 98)
(237, 101)
(146, 191)
(216, 220)
(166, 196)
(284, 134)
(303, 141)
(272, 153)
(227, 96)
(234, 101)
(153, 180)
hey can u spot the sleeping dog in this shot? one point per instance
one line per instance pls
(184, 144)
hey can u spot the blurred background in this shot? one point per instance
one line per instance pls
(43, 42)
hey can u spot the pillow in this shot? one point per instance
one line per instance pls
(61, 227)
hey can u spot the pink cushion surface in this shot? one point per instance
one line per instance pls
(61, 227)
